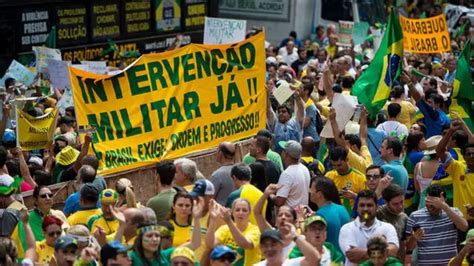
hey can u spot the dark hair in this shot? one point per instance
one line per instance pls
(338, 153)
(42, 177)
(91, 160)
(392, 191)
(395, 144)
(353, 140)
(292, 211)
(184, 195)
(166, 171)
(413, 140)
(377, 242)
(397, 91)
(393, 110)
(263, 143)
(3, 155)
(138, 248)
(37, 190)
(71, 110)
(347, 81)
(327, 187)
(368, 194)
(438, 99)
(435, 191)
(308, 85)
(469, 145)
(293, 34)
(373, 166)
(285, 106)
(259, 178)
(337, 88)
(13, 166)
(228, 154)
(241, 172)
(460, 137)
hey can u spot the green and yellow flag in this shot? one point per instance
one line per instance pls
(373, 86)
(462, 96)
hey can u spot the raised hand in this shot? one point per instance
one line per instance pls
(118, 214)
(198, 208)
(272, 189)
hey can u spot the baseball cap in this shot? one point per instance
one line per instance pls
(271, 233)
(184, 252)
(293, 148)
(203, 187)
(469, 235)
(35, 160)
(64, 242)
(271, 60)
(108, 196)
(220, 251)
(89, 192)
(110, 251)
(314, 219)
(9, 185)
(9, 136)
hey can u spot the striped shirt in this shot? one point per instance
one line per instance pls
(438, 245)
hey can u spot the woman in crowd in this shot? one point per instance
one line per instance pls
(181, 218)
(147, 248)
(124, 188)
(237, 233)
(52, 231)
(285, 215)
(83, 237)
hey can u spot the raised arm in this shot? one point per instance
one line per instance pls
(271, 119)
(406, 78)
(83, 153)
(335, 129)
(310, 253)
(24, 170)
(198, 207)
(328, 81)
(441, 148)
(238, 236)
(213, 223)
(30, 252)
(258, 209)
(299, 106)
(363, 133)
(5, 114)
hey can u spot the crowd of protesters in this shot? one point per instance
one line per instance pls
(395, 189)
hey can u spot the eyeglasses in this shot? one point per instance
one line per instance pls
(49, 195)
(371, 177)
(56, 233)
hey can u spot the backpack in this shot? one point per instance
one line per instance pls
(313, 168)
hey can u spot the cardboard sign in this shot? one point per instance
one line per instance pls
(345, 33)
(426, 36)
(221, 30)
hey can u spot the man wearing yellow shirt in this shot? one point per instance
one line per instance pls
(347, 179)
(358, 153)
(407, 113)
(105, 221)
(462, 174)
(89, 195)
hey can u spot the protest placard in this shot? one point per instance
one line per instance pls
(42, 53)
(65, 101)
(98, 67)
(21, 73)
(58, 73)
(222, 30)
(345, 33)
(345, 106)
(425, 36)
(171, 104)
(35, 132)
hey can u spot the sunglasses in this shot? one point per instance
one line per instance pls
(371, 177)
(56, 233)
(49, 195)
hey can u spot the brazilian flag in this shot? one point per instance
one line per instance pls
(373, 87)
(462, 96)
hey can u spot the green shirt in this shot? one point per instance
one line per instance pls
(271, 155)
(336, 256)
(391, 261)
(161, 204)
(165, 258)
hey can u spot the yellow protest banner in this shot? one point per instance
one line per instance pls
(35, 132)
(425, 36)
(170, 104)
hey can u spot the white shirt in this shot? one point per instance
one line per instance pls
(295, 185)
(325, 257)
(288, 58)
(356, 234)
(287, 262)
(393, 126)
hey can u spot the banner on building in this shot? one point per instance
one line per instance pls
(35, 133)
(171, 104)
(425, 36)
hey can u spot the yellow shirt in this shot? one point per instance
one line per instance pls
(463, 186)
(109, 226)
(354, 180)
(245, 257)
(310, 159)
(127, 244)
(360, 162)
(407, 112)
(82, 216)
(325, 107)
(182, 234)
(44, 252)
(204, 223)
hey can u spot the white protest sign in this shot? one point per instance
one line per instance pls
(21, 73)
(222, 30)
(65, 101)
(345, 106)
(98, 67)
(43, 53)
(282, 92)
(58, 73)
